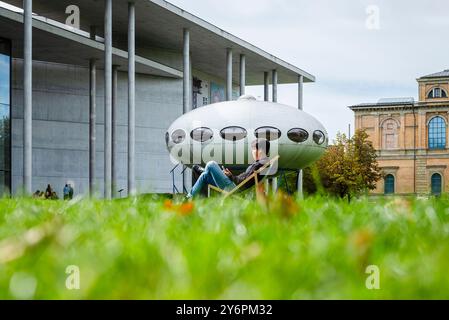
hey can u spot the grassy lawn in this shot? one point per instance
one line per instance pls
(155, 249)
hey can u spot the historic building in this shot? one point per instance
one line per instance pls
(411, 138)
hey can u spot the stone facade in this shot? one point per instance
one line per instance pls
(411, 138)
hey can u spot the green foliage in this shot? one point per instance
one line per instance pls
(348, 168)
(154, 249)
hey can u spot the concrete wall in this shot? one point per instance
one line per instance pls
(60, 128)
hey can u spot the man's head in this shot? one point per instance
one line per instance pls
(260, 149)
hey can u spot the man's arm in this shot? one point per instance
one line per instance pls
(229, 174)
(242, 177)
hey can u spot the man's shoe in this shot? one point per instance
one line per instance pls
(197, 169)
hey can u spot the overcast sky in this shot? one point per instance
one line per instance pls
(354, 58)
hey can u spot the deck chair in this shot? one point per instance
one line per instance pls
(269, 169)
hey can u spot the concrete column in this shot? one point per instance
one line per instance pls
(242, 74)
(28, 97)
(266, 94)
(300, 92)
(132, 99)
(114, 130)
(300, 107)
(187, 92)
(187, 102)
(93, 33)
(108, 99)
(191, 84)
(229, 74)
(275, 85)
(92, 123)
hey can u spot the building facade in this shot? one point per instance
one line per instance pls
(90, 104)
(411, 138)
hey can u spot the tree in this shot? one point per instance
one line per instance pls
(349, 167)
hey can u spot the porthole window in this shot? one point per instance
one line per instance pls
(319, 137)
(298, 135)
(202, 134)
(167, 138)
(233, 133)
(269, 133)
(178, 136)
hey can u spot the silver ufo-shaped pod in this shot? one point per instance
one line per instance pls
(224, 131)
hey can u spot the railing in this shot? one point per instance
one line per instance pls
(173, 173)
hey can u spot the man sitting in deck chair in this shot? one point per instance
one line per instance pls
(213, 175)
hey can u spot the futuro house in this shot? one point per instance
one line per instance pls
(223, 132)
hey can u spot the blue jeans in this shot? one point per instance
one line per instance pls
(212, 175)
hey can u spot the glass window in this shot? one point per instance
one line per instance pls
(202, 134)
(5, 113)
(269, 133)
(437, 133)
(178, 136)
(167, 138)
(298, 135)
(233, 133)
(319, 137)
(389, 184)
(436, 184)
(437, 93)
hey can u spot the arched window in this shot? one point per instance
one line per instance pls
(390, 134)
(437, 93)
(389, 184)
(437, 133)
(436, 184)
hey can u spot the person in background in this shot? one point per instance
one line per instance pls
(48, 192)
(66, 192)
(223, 178)
(70, 192)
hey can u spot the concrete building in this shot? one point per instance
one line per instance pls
(88, 89)
(411, 138)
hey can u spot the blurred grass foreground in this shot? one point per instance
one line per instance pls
(153, 248)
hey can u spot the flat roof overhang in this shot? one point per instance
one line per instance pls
(59, 45)
(160, 24)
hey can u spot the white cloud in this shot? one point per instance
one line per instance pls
(329, 39)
